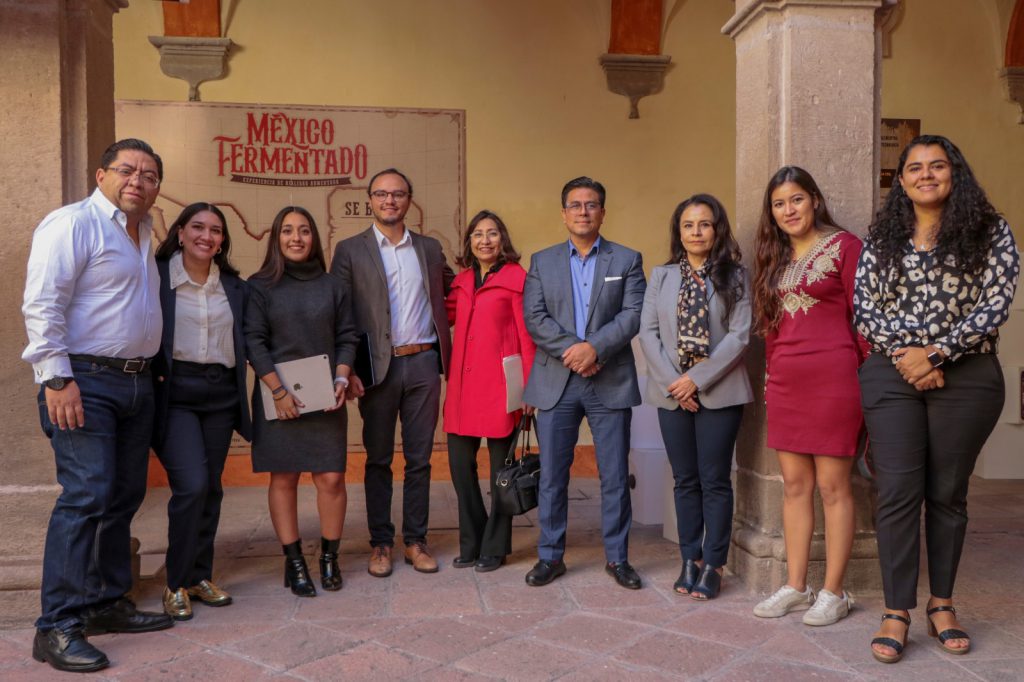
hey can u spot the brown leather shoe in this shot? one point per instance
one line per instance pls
(380, 562)
(418, 554)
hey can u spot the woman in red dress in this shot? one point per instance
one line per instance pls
(486, 307)
(803, 306)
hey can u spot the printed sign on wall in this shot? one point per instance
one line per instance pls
(253, 159)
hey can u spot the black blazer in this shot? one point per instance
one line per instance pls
(163, 365)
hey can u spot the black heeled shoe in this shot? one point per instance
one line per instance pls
(708, 584)
(688, 576)
(330, 574)
(893, 644)
(296, 572)
(948, 633)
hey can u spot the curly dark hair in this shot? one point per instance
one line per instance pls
(725, 253)
(773, 250)
(968, 219)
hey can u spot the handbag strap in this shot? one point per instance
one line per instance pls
(520, 435)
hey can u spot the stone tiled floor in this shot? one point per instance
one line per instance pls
(459, 624)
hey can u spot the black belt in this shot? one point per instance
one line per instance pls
(132, 366)
(214, 371)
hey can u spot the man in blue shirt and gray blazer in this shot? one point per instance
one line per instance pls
(582, 304)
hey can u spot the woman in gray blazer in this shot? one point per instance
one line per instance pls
(694, 330)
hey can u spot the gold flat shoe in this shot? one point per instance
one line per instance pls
(177, 604)
(209, 594)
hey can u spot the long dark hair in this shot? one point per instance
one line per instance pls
(968, 219)
(773, 250)
(273, 263)
(725, 255)
(170, 245)
(506, 254)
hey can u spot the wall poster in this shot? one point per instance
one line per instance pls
(250, 160)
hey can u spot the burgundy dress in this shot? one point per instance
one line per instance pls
(811, 390)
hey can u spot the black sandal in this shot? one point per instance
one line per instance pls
(688, 576)
(948, 633)
(708, 585)
(890, 642)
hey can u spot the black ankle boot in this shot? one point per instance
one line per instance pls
(330, 574)
(296, 573)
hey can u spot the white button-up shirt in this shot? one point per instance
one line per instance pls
(90, 289)
(203, 323)
(411, 318)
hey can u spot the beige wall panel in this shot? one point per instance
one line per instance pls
(943, 70)
(538, 110)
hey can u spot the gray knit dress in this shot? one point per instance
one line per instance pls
(305, 313)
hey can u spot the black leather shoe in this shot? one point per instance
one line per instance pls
(68, 650)
(330, 573)
(489, 563)
(543, 572)
(708, 584)
(624, 575)
(122, 616)
(460, 562)
(296, 572)
(687, 578)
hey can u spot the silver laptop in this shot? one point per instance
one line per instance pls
(310, 379)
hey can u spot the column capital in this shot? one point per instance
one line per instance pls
(748, 10)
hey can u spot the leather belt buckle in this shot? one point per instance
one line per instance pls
(134, 366)
(410, 349)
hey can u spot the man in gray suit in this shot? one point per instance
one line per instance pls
(582, 304)
(397, 281)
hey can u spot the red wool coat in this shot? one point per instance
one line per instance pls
(489, 326)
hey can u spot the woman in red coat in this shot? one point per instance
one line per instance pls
(486, 307)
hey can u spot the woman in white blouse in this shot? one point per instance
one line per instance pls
(199, 378)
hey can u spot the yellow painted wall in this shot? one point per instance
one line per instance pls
(944, 71)
(527, 74)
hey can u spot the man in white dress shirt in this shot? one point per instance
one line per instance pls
(92, 312)
(397, 281)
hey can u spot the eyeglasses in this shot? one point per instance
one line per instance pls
(576, 207)
(126, 173)
(381, 195)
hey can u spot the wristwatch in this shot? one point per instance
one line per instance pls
(57, 383)
(935, 357)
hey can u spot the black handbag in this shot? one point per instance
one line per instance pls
(516, 483)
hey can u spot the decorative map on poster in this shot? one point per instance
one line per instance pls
(250, 160)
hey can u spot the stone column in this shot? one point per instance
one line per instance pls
(807, 93)
(56, 117)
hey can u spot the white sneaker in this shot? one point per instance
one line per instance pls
(784, 600)
(828, 608)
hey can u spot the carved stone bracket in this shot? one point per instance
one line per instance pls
(192, 59)
(635, 76)
(1013, 79)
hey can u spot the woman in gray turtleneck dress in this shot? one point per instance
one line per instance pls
(298, 310)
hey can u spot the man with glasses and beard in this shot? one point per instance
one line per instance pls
(397, 281)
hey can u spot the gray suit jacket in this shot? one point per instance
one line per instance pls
(721, 379)
(358, 263)
(614, 318)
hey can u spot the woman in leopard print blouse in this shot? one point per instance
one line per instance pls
(934, 283)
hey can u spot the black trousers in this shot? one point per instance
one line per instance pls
(200, 420)
(480, 533)
(411, 391)
(699, 447)
(925, 444)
